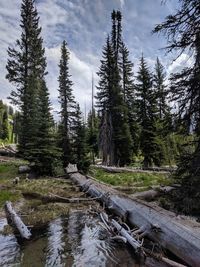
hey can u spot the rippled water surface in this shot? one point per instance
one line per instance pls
(76, 240)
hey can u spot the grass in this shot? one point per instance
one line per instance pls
(36, 212)
(8, 195)
(136, 179)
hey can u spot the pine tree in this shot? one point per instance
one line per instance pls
(182, 32)
(129, 96)
(115, 139)
(104, 94)
(44, 152)
(5, 130)
(79, 142)
(164, 118)
(67, 105)
(23, 66)
(147, 114)
(27, 69)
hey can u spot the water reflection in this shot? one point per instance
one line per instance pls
(9, 248)
(77, 240)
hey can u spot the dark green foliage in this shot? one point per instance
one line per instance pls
(114, 138)
(128, 88)
(27, 69)
(163, 118)
(92, 133)
(16, 127)
(79, 142)
(146, 100)
(67, 105)
(5, 130)
(182, 32)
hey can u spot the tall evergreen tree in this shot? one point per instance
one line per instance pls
(129, 96)
(161, 90)
(67, 105)
(147, 114)
(164, 118)
(182, 32)
(79, 142)
(23, 66)
(104, 94)
(115, 139)
(27, 69)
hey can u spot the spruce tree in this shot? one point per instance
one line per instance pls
(164, 118)
(67, 105)
(129, 96)
(22, 64)
(115, 140)
(27, 69)
(147, 114)
(79, 142)
(182, 32)
(104, 95)
(114, 128)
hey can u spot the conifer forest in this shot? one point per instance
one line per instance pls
(115, 180)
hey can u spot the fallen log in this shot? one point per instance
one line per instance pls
(16, 221)
(180, 236)
(56, 198)
(113, 169)
(127, 236)
(151, 194)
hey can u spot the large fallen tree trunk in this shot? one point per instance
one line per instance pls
(114, 169)
(151, 194)
(16, 221)
(178, 235)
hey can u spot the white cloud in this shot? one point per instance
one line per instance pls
(122, 2)
(181, 62)
(81, 73)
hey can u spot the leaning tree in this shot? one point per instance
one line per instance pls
(182, 31)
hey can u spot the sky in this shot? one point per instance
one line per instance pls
(84, 24)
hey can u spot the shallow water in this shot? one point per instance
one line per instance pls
(76, 240)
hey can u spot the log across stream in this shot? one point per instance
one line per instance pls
(178, 235)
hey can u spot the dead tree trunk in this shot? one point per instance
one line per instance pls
(16, 221)
(180, 236)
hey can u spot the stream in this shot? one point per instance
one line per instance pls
(76, 240)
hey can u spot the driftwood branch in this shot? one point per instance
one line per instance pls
(127, 236)
(16, 221)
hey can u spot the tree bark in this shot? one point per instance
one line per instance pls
(16, 221)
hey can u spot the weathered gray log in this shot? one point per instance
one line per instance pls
(180, 236)
(153, 193)
(16, 221)
(114, 169)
